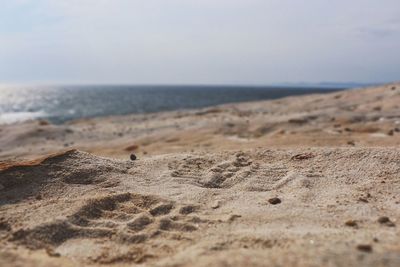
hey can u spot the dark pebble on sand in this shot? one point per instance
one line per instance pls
(52, 253)
(303, 156)
(364, 248)
(352, 143)
(351, 223)
(386, 221)
(133, 157)
(274, 200)
(383, 219)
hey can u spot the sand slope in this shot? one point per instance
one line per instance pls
(202, 209)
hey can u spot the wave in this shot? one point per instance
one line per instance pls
(14, 117)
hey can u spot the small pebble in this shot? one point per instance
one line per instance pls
(52, 253)
(383, 219)
(274, 200)
(234, 217)
(364, 248)
(386, 221)
(351, 223)
(302, 156)
(215, 205)
(363, 200)
(352, 143)
(133, 157)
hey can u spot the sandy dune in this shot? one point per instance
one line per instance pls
(301, 181)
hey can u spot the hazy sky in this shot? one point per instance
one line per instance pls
(199, 41)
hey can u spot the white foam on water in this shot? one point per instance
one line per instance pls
(14, 117)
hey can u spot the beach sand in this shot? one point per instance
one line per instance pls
(300, 181)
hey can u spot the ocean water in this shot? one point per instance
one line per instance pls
(59, 104)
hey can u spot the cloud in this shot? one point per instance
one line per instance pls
(387, 29)
(193, 41)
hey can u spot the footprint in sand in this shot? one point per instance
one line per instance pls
(207, 173)
(124, 219)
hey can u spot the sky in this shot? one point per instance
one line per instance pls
(199, 41)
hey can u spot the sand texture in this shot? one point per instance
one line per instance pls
(301, 181)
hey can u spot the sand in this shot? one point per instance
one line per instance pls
(300, 181)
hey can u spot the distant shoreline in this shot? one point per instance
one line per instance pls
(64, 104)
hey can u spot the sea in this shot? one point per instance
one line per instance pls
(60, 104)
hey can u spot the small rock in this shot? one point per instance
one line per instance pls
(133, 157)
(52, 253)
(351, 223)
(303, 156)
(386, 221)
(352, 143)
(364, 248)
(234, 217)
(383, 219)
(274, 200)
(215, 205)
(363, 200)
(391, 132)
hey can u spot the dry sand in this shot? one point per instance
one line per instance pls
(301, 181)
